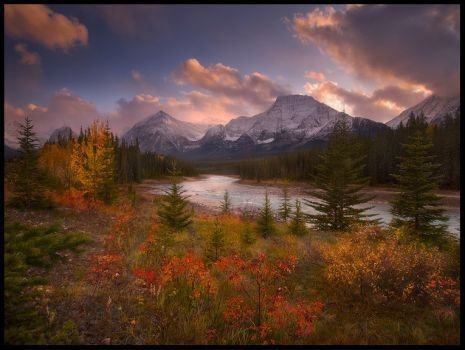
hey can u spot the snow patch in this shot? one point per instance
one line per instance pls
(266, 141)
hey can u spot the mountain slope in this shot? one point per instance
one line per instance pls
(292, 122)
(63, 133)
(165, 134)
(433, 107)
(10, 153)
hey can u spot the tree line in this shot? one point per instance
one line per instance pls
(382, 156)
(95, 161)
(340, 202)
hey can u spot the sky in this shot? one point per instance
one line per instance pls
(71, 64)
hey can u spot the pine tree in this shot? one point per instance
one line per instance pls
(216, 242)
(247, 236)
(297, 226)
(28, 178)
(265, 223)
(339, 179)
(285, 208)
(416, 206)
(173, 212)
(226, 204)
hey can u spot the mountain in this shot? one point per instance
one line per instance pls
(292, 122)
(9, 152)
(63, 133)
(433, 107)
(164, 134)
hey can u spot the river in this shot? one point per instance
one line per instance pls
(208, 190)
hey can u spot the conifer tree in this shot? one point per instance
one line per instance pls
(416, 206)
(339, 179)
(247, 236)
(265, 223)
(173, 212)
(297, 226)
(226, 204)
(285, 207)
(216, 242)
(28, 178)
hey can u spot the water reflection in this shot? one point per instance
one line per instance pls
(209, 191)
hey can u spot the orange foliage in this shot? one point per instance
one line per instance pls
(120, 228)
(108, 266)
(237, 312)
(261, 306)
(150, 277)
(76, 200)
(370, 267)
(443, 290)
(189, 270)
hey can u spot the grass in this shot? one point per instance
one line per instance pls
(73, 298)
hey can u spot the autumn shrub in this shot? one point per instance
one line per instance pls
(373, 267)
(261, 309)
(119, 235)
(76, 200)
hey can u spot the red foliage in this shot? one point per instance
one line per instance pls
(443, 290)
(262, 307)
(76, 200)
(237, 312)
(150, 277)
(105, 266)
(120, 228)
(191, 271)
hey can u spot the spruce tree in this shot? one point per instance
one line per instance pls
(416, 206)
(297, 226)
(216, 242)
(247, 236)
(173, 212)
(28, 178)
(285, 207)
(226, 204)
(339, 179)
(265, 223)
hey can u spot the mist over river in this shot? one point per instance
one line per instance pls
(208, 190)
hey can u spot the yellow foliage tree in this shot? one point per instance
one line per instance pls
(56, 160)
(92, 161)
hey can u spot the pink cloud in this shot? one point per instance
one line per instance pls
(63, 108)
(381, 105)
(255, 89)
(315, 75)
(391, 44)
(27, 57)
(40, 24)
(137, 76)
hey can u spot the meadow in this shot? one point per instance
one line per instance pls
(103, 276)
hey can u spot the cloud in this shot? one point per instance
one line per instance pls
(27, 57)
(63, 108)
(255, 90)
(193, 106)
(40, 24)
(394, 44)
(132, 20)
(137, 76)
(315, 75)
(199, 107)
(381, 105)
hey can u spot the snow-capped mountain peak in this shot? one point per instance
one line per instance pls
(434, 108)
(164, 133)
